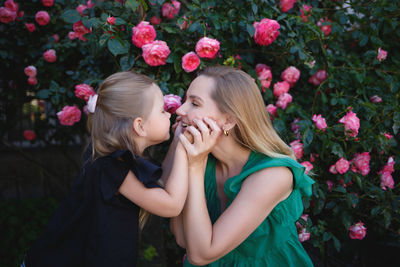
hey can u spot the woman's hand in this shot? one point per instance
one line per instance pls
(205, 137)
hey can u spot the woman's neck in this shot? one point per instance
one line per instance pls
(230, 155)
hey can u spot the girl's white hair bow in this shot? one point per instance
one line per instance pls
(91, 104)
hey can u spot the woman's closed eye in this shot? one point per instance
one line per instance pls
(195, 104)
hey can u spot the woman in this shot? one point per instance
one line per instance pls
(245, 197)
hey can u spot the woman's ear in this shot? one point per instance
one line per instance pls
(138, 127)
(229, 123)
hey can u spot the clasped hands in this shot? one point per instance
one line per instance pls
(198, 139)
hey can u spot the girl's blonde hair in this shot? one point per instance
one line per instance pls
(237, 94)
(122, 97)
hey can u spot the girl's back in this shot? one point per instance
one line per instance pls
(95, 226)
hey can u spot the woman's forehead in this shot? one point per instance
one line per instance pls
(201, 86)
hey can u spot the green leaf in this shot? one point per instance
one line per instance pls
(116, 47)
(254, 8)
(326, 236)
(194, 27)
(307, 137)
(43, 94)
(337, 150)
(126, 62)
(103, 39)
(376, 211)
(71, 16)
(336, 243)
(364, 40)
(132, 4)
(250, 29)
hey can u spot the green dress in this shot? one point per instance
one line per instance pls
(275, 242)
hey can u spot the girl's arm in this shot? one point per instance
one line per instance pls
(259, 194)
(167, 202)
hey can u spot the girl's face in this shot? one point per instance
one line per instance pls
(157, 123)
(199, 104)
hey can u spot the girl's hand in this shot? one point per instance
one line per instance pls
(203, 141)
(177, 122)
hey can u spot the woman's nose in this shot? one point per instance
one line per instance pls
(180, 111)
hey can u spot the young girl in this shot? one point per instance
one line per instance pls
(98, 224)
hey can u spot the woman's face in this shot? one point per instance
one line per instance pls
(199, 103)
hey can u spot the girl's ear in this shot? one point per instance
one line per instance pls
(138, 127)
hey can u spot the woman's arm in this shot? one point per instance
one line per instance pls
(176, 227)
(259, 194)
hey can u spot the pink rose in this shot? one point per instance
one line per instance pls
(172, 103)
(155, 20)
(50, 55)
(30, 71)
(388, 136)
(155, 53)
(332, 169)
(319, 121)
(281, 88)
(305, 12)
(318, 77)
(357, 231)
(81, 30)
(291, 75)
(308, 166)
(207, 47)
(387, 180)
(351, 123)
(360, 163)
(272, 110)
(297, 148)
(170, 10)
(389, 167)
(286, 5)
(303, 235)
(30, 135)
(381, 54)
(111, 20)
(69, 115)
(56, 38)
(313, 157)
(266, 31)
(11, 5)
(7, 15)
(30, 27)
(84, 91)
(342, 166)
(48, 3)
(295, 127)
(89, 4)
(185, 24)
(81, 9)
(42, 18)
(260, 67)
(284, 100)
(72, 35)
(265, 77)
(326, 29)
(329, 183)
(143, 33)
(32, 80)
(190, 61)
(375, 99)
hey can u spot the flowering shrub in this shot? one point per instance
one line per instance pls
(328, 72)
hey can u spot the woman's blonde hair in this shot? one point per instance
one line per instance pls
(122, 97)
(237, 94)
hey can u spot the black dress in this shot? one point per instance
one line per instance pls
(95, 226)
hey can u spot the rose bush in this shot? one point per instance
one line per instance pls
(331, 67)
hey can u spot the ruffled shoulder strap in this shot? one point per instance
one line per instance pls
(258, 161)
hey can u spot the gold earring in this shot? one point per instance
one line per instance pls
(226, 132)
